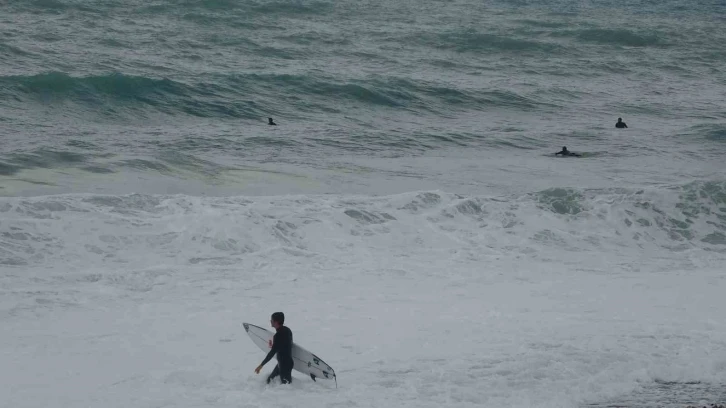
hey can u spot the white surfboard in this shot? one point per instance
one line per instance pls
(303, 360)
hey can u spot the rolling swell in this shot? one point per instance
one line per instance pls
(261, 7)
(119, 95)
(617, 37)
(58, 7)
(244, 96)
(8, 51)
(44, 158)
(387, 92)
(170, 161)
(712, 132)
(473, 41)
(706, 136)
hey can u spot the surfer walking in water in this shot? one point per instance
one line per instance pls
(281, 344)
(621, 124)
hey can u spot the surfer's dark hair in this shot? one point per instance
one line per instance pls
(278, 317)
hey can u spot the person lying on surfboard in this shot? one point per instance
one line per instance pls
(281, 344)
(566, 152)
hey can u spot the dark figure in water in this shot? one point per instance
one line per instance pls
(281, 344)
(566, 152)
(620, 124)
(270, 122)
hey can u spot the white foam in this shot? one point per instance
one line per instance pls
(416, 300)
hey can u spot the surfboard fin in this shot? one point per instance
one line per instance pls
(313, 377)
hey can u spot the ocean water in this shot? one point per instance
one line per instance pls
(406, 213)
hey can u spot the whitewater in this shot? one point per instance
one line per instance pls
(407, 213)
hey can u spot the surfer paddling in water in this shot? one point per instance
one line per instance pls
(281, 344)
(566, 152)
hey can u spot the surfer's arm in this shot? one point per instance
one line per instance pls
(269, 357)
(272, 352)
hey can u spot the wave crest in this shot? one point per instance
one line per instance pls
(232, 229)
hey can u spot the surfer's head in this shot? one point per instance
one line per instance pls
(564, 148)
(277, 319)
(619, 120)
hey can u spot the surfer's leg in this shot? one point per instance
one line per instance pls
(286, 373)
(275, 373)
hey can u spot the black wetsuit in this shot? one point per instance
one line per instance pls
(621, 125)
(282, 346)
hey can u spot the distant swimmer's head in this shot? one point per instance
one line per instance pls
(270, 122)
(564, 148)
(619, 120)
(277, 319)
